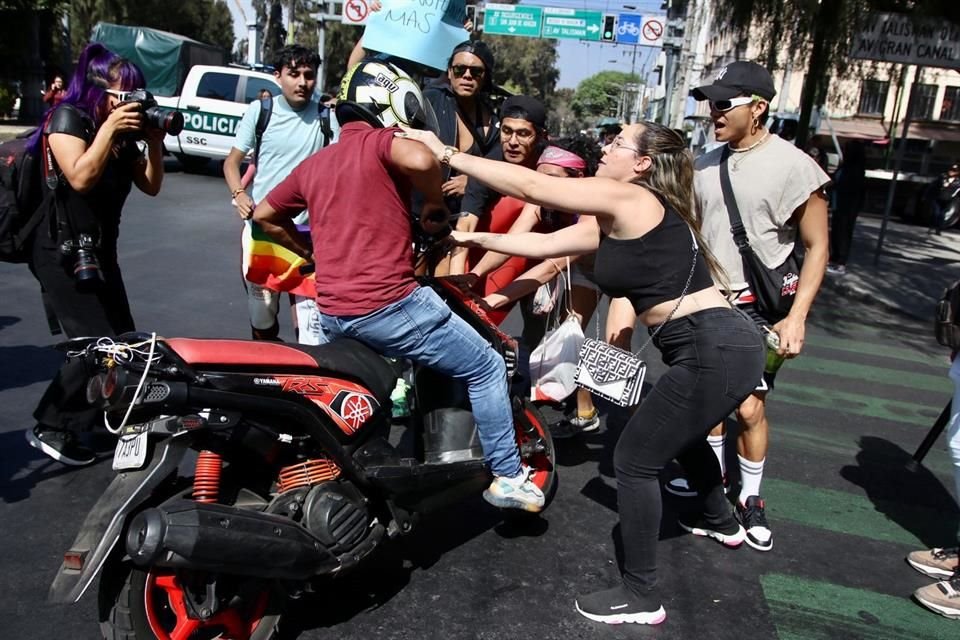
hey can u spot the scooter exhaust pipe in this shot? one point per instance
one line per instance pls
(224, 539)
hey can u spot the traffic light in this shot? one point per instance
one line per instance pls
(609, 32)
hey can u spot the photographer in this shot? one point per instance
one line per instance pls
(94, 139)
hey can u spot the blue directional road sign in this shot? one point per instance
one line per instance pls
(628, 28)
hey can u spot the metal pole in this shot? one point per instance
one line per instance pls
(671, 53)
(321, 44)
(897, 164)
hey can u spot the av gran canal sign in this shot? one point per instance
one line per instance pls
(895, 37)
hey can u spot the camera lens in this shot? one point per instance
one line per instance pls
(86, 268)
(168, 120)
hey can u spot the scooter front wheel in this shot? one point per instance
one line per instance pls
(536, 447)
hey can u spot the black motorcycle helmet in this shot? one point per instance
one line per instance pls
(380, 93)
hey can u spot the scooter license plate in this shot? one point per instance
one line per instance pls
(131, 452)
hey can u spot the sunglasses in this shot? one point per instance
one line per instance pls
(726, 105)
(119, 95)
(459, 70)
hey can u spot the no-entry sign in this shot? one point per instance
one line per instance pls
(651, 31)
(355, 12)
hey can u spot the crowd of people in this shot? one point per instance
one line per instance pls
(641, 221)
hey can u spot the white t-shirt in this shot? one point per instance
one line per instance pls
(769, 182)
(290, 138)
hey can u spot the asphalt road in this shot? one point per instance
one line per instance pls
(842, 503)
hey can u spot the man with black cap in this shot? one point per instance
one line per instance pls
(779, 192)
(523, 136)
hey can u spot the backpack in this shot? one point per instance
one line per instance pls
(263, 119)
(21, 193)
(947, 316)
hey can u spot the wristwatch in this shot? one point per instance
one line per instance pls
(448, 152)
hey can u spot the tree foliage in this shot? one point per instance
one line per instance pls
(600, 94)
(207, 21)
(817, 34)
(525, 65)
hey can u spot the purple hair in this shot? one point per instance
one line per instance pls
(97, 68)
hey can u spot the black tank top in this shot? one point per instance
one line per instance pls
(652, 268)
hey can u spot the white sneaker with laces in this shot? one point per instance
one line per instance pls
(515, 493)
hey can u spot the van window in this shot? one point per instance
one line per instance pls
(218, 86)
(255, 85)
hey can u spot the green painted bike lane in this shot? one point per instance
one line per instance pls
(802, 608)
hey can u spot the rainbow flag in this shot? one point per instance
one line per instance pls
(273, 266)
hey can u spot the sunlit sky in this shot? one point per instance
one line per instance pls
(577, 60)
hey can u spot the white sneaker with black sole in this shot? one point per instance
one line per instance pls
(620, 606)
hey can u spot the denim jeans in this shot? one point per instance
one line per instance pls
(953, 430)
(715, 358)
(420, 327)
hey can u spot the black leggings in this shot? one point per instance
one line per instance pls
(102, 311)
(715, 357)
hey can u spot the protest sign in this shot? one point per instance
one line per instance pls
(424, 31)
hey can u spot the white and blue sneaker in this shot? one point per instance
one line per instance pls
(515, 493)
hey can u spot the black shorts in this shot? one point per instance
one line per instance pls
(751, 310)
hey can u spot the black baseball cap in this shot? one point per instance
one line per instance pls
(735, 79)
(526, 108)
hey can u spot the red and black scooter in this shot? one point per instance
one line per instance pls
(249, 472)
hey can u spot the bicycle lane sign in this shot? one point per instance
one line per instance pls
(628, 28)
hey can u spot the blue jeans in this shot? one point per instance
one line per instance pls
(422, 328)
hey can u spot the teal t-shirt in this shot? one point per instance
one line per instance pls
(291, 137)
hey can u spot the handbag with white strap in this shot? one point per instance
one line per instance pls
(616, 374)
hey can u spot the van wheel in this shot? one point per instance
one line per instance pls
(192, 164)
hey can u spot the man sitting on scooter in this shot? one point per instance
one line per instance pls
(358, 195)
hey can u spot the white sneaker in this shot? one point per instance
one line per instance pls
(836, 269)
(515, 493)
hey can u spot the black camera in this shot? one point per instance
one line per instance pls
(86, 267)
(168, 120)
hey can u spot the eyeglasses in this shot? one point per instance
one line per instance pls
(523, 135)
(726, 105)
(619, 143)
(459, 70)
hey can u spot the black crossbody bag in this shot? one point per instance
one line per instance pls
(775, 288)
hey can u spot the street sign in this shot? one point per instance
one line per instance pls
(512, 20)
(628, 28)
(571, 23)
(651, 31)
(892, 37)
(355, 12)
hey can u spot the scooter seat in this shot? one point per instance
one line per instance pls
(347, 357)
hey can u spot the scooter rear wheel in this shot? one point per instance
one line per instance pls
(140, 605)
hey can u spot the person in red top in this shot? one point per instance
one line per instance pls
(358, 195)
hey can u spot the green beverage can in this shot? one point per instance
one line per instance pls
(774, 359)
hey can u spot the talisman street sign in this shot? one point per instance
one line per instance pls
(512, 20)
(894, 37)
(578, 24)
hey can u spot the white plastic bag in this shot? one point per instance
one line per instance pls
(545, 298)
(553, 364)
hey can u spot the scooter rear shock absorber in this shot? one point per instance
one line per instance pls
(206, 479)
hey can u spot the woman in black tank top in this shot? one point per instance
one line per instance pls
(643, 232)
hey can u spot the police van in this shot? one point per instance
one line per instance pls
(213, 101)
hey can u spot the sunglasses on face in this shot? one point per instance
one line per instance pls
(726, 105)
(119, 95)
(459, 70)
